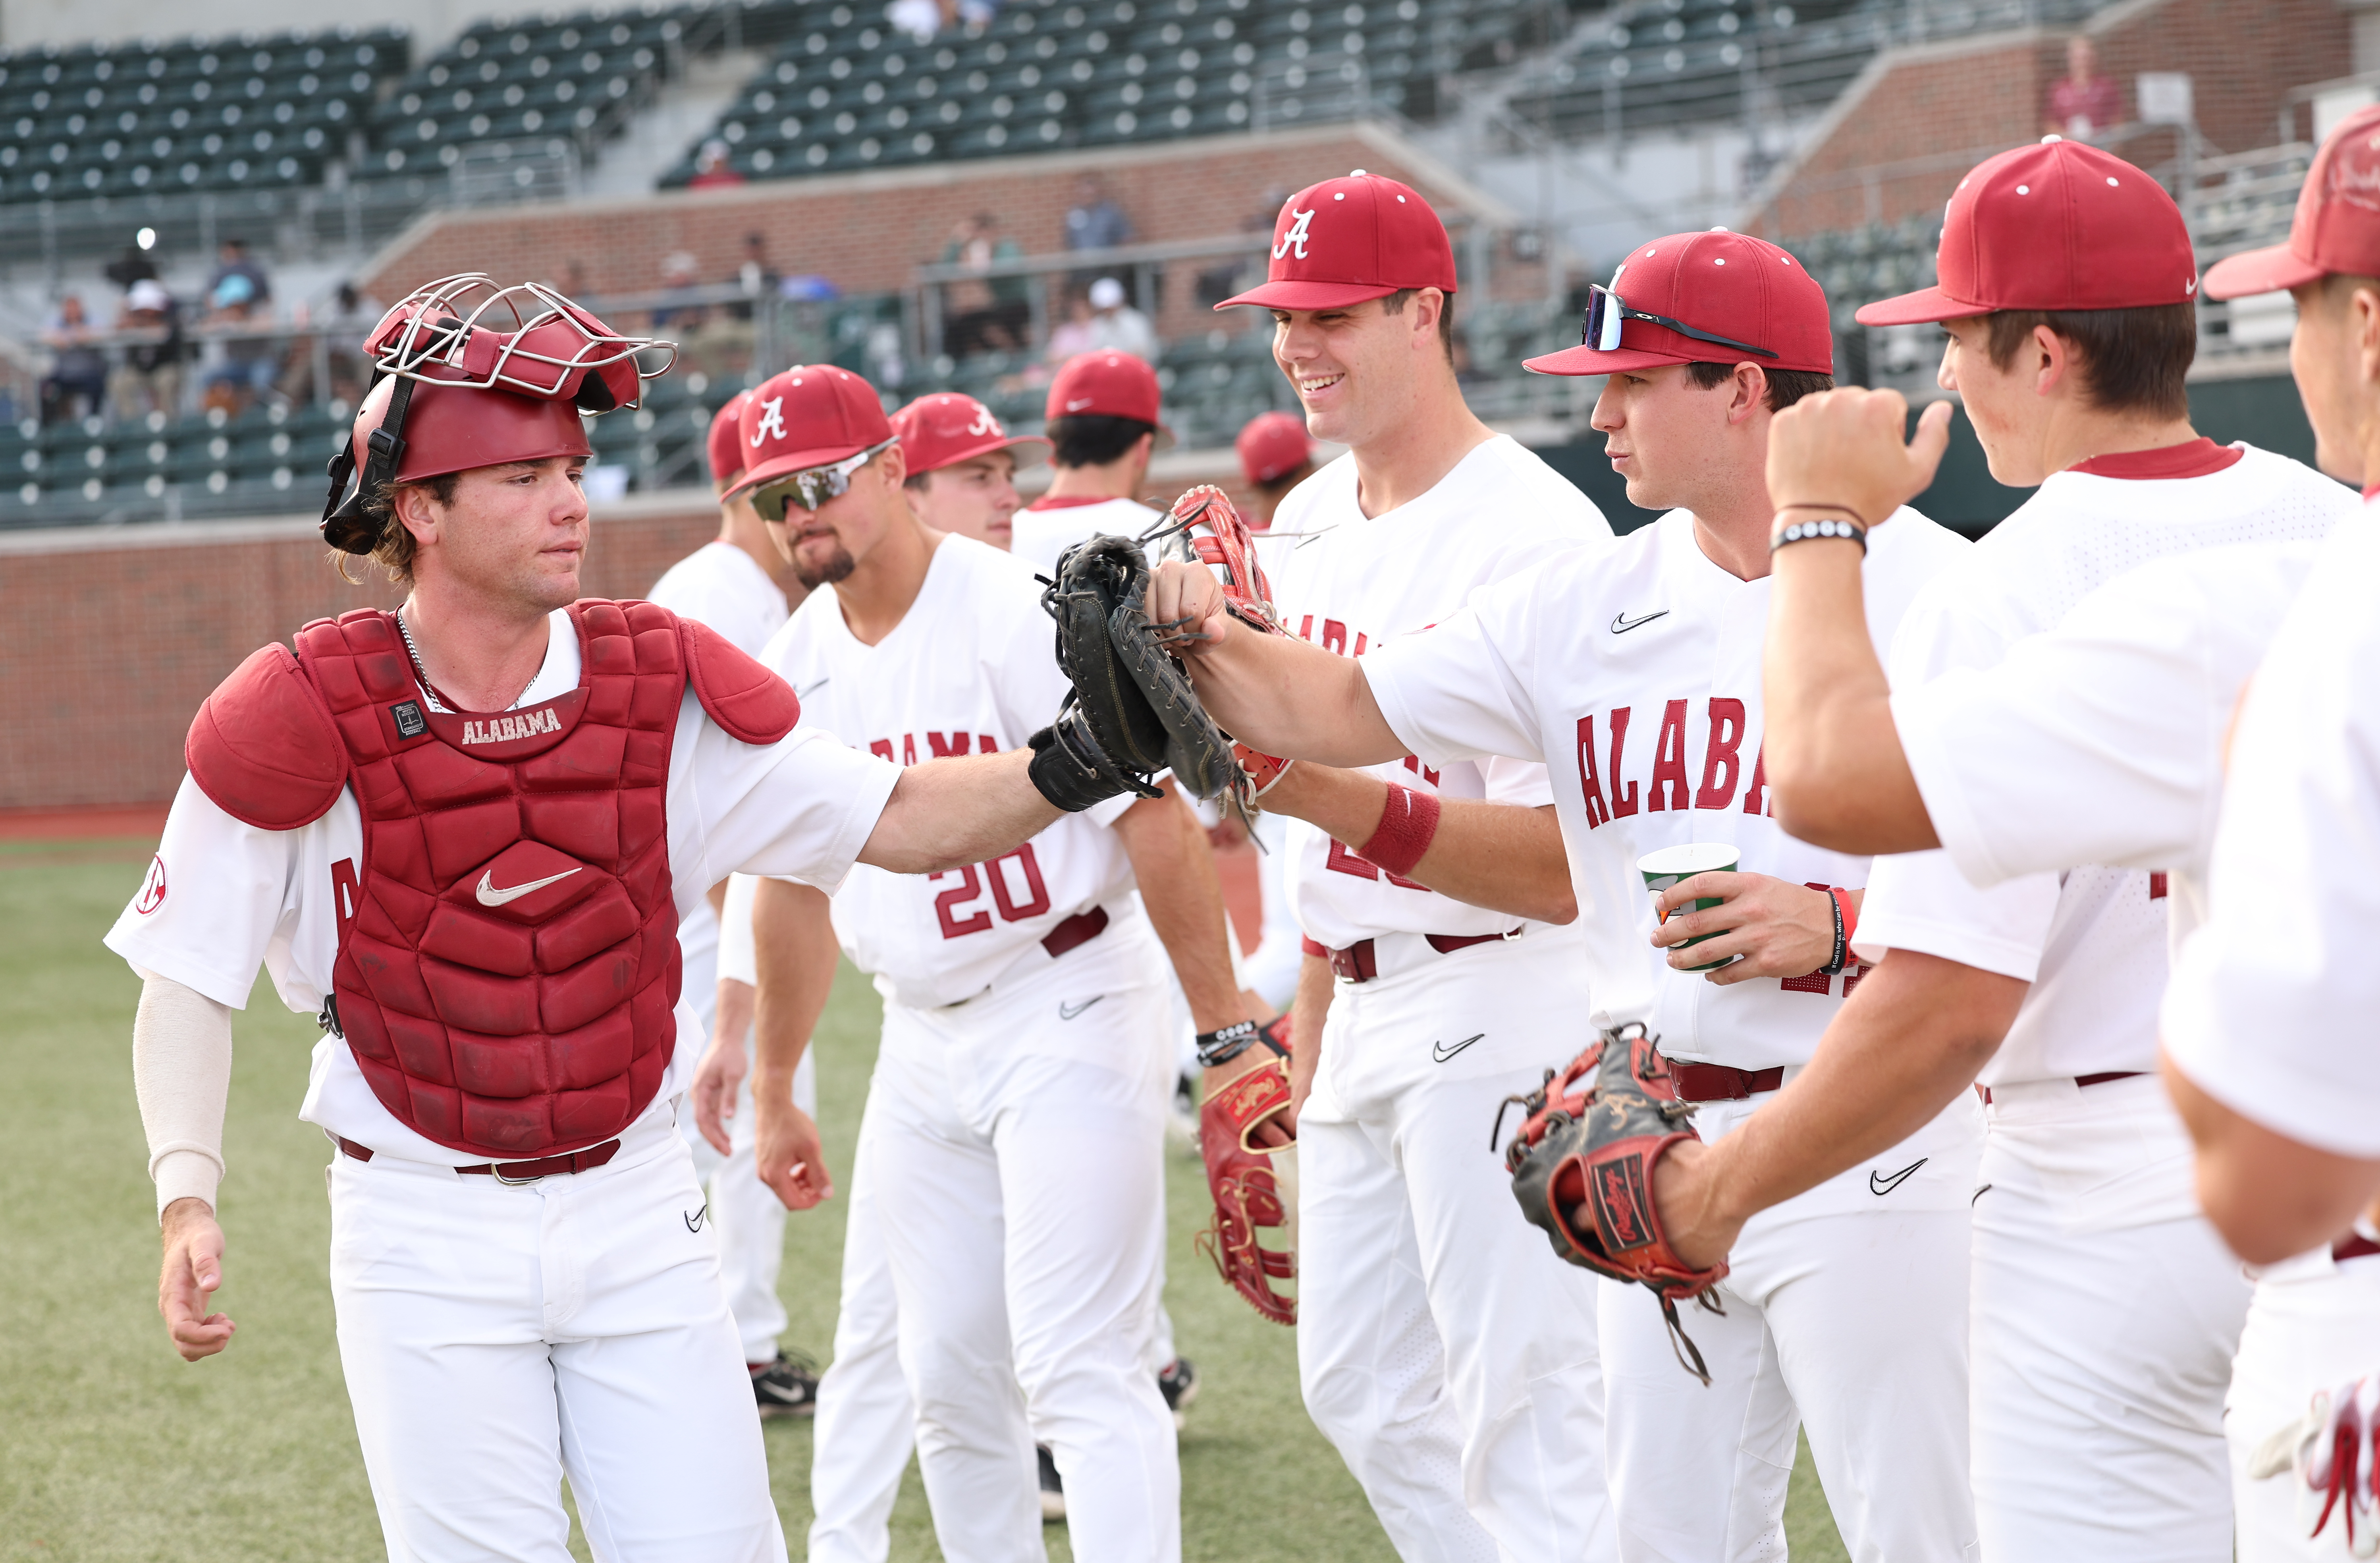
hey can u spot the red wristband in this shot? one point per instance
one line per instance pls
(1851, 919)
(1308, 946)
(1407, 825)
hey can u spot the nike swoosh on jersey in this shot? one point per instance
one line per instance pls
(1441, 1052)
(1068, 1012)
(490, 896)
(1881, 1186)
(1622, 623)
(814, 688)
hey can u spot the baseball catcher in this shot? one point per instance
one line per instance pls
(1583, 1164)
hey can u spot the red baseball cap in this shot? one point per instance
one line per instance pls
(1728, 284)
(1106, 383)
(945, 429)
(811, 415)
(727, 438)
(1345, 240)
(2056, 225)
(1271, 445)
(2337, 229)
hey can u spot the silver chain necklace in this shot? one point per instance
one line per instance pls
(422, 673)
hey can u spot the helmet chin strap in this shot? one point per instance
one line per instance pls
(344, 526)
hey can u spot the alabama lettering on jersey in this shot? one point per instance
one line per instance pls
(1634, 673)
(1350, 584)
(244, 897)
(966, 671)
(2093, 939)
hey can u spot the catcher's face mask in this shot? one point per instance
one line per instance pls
(512, 370)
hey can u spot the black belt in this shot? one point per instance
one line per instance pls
(514, 1172)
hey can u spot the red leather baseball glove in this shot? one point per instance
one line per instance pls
(1206, 525)
(1583, 1164)
(1255, 1189)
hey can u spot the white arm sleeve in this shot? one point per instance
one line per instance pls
(181, 1072)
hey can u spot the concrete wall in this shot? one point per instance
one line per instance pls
(2242, 56)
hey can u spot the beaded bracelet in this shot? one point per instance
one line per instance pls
(1804, 531)
(1219, 1048)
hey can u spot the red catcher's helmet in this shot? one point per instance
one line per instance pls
(474, 381)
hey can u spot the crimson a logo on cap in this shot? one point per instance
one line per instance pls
(2355, 173)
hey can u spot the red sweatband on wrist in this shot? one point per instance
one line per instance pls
(1407, 826)
(1851, 919)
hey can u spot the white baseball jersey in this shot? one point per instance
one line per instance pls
(2092, 941)
(2101, 741)
(224, 898)
(968, 669)
(1044, 529)
(1353, 584)
(1637, 670)
(722, 585)
(2270, 1007)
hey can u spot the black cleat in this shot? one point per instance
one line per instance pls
(1053, 1495)
(1178, 1382)
(786, 1386)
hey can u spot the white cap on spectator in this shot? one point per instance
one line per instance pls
(148, 294)
(1106, 294)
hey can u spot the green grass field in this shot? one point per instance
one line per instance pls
(111, 1447)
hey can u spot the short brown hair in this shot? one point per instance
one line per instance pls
(1785, 386)
(2131, 360)
(1394, 304)
(393, 551)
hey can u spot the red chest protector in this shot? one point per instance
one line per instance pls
(508, 965)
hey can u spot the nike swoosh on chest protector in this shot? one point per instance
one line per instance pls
(489, 895)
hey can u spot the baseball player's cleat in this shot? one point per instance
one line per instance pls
(786, 1386)
(1053, 1495)
(1178, 1382)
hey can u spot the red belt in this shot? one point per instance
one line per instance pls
(2354, 1245)
(1360, 963)
(516, 1171)
(2101, 1079)
(1076, 931)
(1717, 1083)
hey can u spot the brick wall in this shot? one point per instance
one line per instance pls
(108, 642)
(2242, 55)
(865, 231)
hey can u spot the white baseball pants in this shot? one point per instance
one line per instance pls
(2313, 1325)
(2107, 1313)
(1846, 1316)
(750, 1219)
(495, 1338)
(866, 1423)
(1016, 1158)
(1443, 1348)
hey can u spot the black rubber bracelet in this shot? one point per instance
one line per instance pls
(1217, 1048)
(1842, 950)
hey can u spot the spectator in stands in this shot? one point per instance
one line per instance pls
(754, 276)
(234, 261)
(988, 313)
(1276, 456)
(79, 373)
(680, 310)
(351, 317)
(712, 169)
(133, 266)
(2083, 104)
(1117, 325)
(151, 379)
(927, 19)
(247, 366)
(1096, 221)
(1075, 334)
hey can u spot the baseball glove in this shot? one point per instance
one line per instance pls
(1228, 545)
(1583, 1164)
(1133, 697)
(1255, 1189)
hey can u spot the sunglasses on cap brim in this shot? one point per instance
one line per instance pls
(811, 487)
(1606, 311)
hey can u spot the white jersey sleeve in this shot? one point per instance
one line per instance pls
(2101, 741)
(1037, 537)
(738, 959)
(2092, 939)
(2269, 1011)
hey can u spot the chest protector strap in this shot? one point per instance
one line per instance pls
(508, 965)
